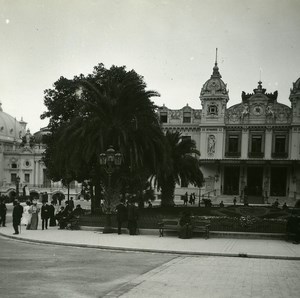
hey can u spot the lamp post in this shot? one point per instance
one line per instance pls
(17, 186)
(110, 161)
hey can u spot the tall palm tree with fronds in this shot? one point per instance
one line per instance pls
(113, 108)
(180, 166)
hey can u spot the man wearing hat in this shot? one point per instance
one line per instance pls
(17, 215)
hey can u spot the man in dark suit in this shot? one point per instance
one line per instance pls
(45, 214)
(3, 210)
(121, 215)
(17, 215)
(132, 218)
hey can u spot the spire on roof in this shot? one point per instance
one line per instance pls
(216, 73)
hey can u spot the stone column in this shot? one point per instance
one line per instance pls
(268, 143)
(245, 143)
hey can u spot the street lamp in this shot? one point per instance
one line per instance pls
(110, 161)
(17, 186)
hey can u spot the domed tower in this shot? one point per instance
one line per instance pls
(214, 98)
(295, 101)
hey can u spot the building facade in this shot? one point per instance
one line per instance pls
(251, 148)
(21, 157)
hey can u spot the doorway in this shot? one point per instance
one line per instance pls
(278, 181)
(231, 180)
(254, 181)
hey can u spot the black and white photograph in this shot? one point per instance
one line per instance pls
(149, 148)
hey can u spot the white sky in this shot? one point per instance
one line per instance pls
(170, 42)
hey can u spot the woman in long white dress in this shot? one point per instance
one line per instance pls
(34, 211)
(26, 217)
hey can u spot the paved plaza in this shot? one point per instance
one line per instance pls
(216, 277)
(231, 247)
(217, 267)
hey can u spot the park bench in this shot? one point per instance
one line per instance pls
(167, 224)
(201, 226)
(198, 226)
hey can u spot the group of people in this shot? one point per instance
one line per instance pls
(29, 215)
(127, 212)
(68, 216)
(189, 198)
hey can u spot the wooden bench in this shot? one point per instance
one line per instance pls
(198, 226)
(167, 224)
(201, 226)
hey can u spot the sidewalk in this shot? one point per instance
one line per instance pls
(255, 248)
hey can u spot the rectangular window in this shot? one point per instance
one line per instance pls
(164, 117)
(27, 178)
(187, 117)
(280, 145)
(256, 144)
(13, 178)
(233, 144)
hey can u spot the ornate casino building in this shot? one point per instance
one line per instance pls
(251, 148)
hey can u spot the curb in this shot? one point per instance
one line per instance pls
(173, 252)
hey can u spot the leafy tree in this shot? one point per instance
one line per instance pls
(180, 166)
(90, 113)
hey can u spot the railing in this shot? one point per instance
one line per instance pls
(256, 154)
(279, 154)
(232, 154)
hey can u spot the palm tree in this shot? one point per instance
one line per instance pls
(180, 166)
(113, 108)
(116, 111)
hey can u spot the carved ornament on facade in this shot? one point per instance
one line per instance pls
(212, 110)
(197, 114)
(257, 110)
(211, 145)
(245, 111)
(27, 163)
(270, 111)
(245, 128)
(175, 114)
(269, 128)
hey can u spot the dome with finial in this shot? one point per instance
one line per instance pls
(214, 87)
(10, 128)
(39, 135)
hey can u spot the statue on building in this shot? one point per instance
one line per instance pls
(27, 136)
(245, 111)
(269, 111)
(211, 145)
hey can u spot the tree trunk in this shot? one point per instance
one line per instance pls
(93, 200)
(167, 193)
